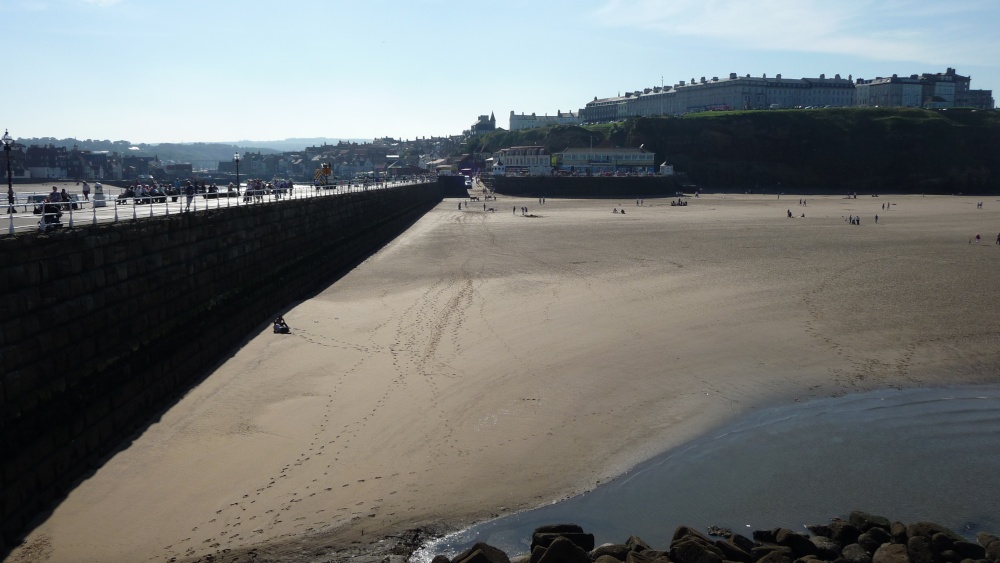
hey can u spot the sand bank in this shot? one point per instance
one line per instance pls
(491, 362)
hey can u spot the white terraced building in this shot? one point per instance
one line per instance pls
(748, 92)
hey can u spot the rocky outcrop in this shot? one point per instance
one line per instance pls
(862, 538)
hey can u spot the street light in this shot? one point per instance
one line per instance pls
(8, 142)
(236, 159)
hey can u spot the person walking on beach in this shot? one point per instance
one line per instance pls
(998, 238)
(876, 219)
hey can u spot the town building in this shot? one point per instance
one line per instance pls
(522, 161)
(601, 161)
(518, 122)
(947, 89)
(484, 124)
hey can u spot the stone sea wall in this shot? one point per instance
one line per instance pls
(863, 538)
(102, 326)
(626, 187)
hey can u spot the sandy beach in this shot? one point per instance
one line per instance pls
(484, 363)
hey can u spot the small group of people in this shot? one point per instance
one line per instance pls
(280, 326)
(979, 205)
(622, 211)
(802, 202)
(977, 239)
(524, 210)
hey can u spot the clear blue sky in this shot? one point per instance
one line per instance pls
(220, 70)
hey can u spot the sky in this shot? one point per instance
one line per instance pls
(153, 71)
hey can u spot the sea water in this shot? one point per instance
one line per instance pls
(909, 455)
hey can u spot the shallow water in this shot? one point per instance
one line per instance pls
(908, 455)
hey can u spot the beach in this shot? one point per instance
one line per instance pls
(489, 362)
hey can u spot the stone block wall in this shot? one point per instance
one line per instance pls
(628, 187)
(102, 327)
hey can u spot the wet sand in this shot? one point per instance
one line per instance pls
(484, 363)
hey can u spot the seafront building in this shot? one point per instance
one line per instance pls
(522, 121)
(938, 90)
(536, 161)
(521, 161)
(602, 161)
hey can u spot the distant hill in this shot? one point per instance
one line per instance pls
(833, 150)
(296, 144)
(200, 155)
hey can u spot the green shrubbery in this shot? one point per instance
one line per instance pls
(835, 149)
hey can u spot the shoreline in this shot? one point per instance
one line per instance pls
(480, 351)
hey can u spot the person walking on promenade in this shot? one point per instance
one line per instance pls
(189, 192)
(86, 191)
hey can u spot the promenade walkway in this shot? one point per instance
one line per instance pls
(24, 220)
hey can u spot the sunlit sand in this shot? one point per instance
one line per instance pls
(484, 363)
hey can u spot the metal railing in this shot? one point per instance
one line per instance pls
(116, 208)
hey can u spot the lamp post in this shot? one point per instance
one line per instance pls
(8, 143)
(236, 159)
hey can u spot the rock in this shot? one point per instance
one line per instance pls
(616, 550)
(732, 552)
(720, 532)
(919, 549)
(775, 557)
(687, 532)
(950, 556)
(898, 532)
(843, 532)
(473, 555)
(993, 551)
(864, 521)
(801, 546)
(607, 558)
(563, 550)
(891, 553)
(854, 553)
(942, 542)
(694, 550)
(880, 535)
(870, 542)
(826, 549)
(743, 542)
(545, 539)
(520, 559)
(969, 550)
(766, 536)
(536, 554)
(985, 539)
(820, 530)
(647, 556)
(761, 551)
(635, 543)
(928, 529)
(481, 553)
(440, 559)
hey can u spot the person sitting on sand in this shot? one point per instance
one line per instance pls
(280, 326)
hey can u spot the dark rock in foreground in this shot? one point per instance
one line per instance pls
(863, 538)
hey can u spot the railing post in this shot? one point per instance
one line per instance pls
(71, 214)
(94, 209)
(10, 230)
